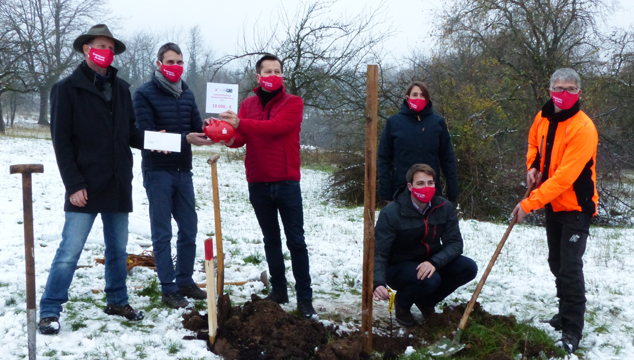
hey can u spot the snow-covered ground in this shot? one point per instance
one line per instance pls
(520, 283)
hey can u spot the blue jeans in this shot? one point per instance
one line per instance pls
(171, 193)
(429, 291)
(76, 230)
(284, 197)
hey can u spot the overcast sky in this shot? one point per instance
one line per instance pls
(224, 22)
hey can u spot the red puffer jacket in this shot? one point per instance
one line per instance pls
(271, 136)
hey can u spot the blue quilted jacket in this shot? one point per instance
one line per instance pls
(156, 109)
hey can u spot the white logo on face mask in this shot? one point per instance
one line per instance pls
(100, 58)
(169, 73)
(557, 100)
(267, 83)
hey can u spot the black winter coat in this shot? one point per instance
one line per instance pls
(156, 109)
(92, 139)
(410, 138)
(402, 234)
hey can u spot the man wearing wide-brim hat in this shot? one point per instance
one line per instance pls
(93, 127)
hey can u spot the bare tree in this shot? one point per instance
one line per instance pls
(46, 30)
(137, 63)
(531, 37)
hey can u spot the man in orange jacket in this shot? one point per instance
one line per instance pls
(561, 160)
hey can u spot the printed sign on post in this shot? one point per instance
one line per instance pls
(221, 97)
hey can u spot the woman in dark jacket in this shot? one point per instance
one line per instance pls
(416, 134)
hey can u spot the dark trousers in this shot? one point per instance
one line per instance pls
(567, 233)
(284, 197)
(171, 193)
(428, 292)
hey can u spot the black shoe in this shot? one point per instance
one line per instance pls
(124, 310)
(555, 322)
(278, 297)
(175, 300)
(427, 311)
(404, 316)
(306, 309)
(193, 291)
(49, 326)
(569, 343)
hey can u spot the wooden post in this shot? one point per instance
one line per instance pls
(369, 201)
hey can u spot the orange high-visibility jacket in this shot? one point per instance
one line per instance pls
(571, 181)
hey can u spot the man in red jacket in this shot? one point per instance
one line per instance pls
(269, 125)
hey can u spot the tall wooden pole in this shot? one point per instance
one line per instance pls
(372, 109)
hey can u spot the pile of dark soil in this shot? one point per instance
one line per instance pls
(261, 329)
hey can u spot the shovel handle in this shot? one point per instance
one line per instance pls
(476, 293)
(213, 161)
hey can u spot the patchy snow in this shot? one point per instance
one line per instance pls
(520, 283)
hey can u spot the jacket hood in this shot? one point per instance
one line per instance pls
(405, 110)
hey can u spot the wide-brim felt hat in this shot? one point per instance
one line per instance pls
(97, 30)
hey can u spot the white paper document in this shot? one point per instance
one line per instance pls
(221, 97)
(155, 140)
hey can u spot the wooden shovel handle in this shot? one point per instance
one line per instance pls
(213, 160)
(476, 293)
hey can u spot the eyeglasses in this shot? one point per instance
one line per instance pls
(571, 90)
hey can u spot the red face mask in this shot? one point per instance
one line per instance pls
(172, 72)
(424, 194)
(271, 83)
(564, 100)
(101, 57)
(417, 104)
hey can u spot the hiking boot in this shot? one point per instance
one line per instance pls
(193, 291)
(555, 322)
(404, 316)
(427, 311)
(49, 326)
(278, 297)
(306, 309)
(568, 342)
(124, 310)
(175, 300)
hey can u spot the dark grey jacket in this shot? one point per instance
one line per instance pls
(92, 138)
(402, 234)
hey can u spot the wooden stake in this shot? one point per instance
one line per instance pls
(212, 311)
(213, 161)
(369, 201)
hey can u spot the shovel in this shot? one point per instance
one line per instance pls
(446, 347)
(26, 170)
(213, 160)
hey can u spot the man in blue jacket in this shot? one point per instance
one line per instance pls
(418, 248)
(165, 103)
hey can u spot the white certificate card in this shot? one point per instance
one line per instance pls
(155, 140)
(221, 97)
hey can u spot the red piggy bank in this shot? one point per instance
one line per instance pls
(219, 130)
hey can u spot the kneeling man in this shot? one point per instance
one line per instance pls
(418, 248)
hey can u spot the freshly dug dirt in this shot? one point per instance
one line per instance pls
(262, 330)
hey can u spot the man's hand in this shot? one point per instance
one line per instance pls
(230, 117)
(425, 270)
(198, 139)
(534, 177)
(227, 143)
(80, 198)
(519, 212)
(380, 293)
